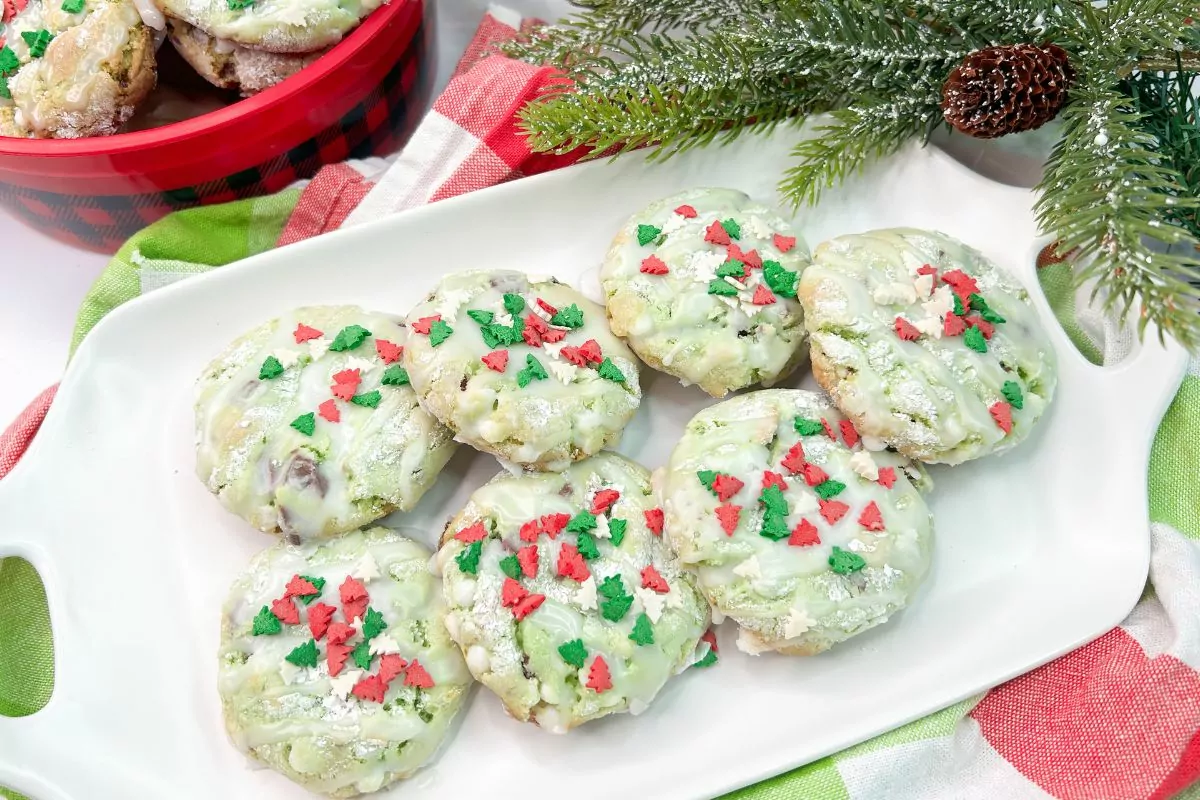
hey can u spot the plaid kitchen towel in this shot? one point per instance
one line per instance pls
(1118, 719)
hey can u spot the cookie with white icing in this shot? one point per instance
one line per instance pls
(521, 367)
(73, 68)
(926, 345)
(307, 425)
(702, 285)
(797, 532)
(233, 66)
(335, 668)
(276, 26)
(563, 596)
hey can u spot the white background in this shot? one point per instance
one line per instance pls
(43, 281)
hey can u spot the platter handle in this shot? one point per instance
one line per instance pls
(22, 760)
(1151, 369)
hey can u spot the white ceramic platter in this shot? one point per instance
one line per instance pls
(1038, 551)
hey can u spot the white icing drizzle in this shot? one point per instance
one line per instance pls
(719, 343)
(526, 670)
(310, 726)
(766, 584)
(929, 398)
(546, 424)
(281, 26)
(347, 473)
(95, 70)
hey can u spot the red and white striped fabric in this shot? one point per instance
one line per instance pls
(1118, 719)
(467, 141)
(16, 438)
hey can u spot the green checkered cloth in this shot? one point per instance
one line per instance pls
(202, 239)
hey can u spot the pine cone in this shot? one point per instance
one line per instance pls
(1008, 89)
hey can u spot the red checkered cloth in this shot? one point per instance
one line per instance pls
(1118, 719)
(468, 140)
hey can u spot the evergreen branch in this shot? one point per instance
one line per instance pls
(1151, 24)
(626, 120)
(806, 56)
(852, 45)
(1105, 194)
(1170, 113)
(718, 66)
(671, 93)
(608, 24)
(984, 23)
(855, 136)
(862, 48)
(662, 15)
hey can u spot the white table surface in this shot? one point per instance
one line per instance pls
(43, 281)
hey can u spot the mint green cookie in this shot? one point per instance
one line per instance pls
(798, 533)
(282, 446)
(522, 367)
(296, 701)
(926, 345)
(276, 26)
(565, 601)
(702, 285)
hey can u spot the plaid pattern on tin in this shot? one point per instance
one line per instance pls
(376, 125)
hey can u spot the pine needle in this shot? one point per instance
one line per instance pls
(854, 137)
(1170, 112)
(1107, 195)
